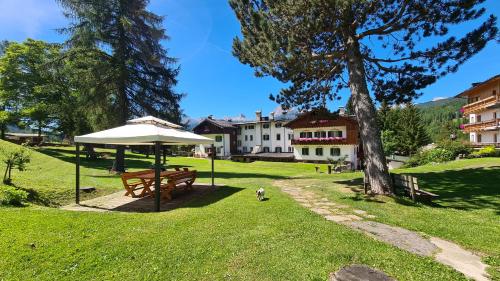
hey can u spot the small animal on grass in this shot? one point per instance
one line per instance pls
(260, 194)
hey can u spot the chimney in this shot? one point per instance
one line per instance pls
(271, 115)
(342, 111)
(210, 117)
(258, 115)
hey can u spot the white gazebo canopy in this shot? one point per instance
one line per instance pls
(145, 130)
(142, 131)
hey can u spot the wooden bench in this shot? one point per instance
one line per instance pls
(174, 181)
(132, 183)
(409, 185)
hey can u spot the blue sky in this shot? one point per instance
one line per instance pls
(201, 34)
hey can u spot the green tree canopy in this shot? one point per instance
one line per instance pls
(27, 88)
(320, 47)
(139, 73)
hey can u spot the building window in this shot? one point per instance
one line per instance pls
(246, 127)
(277, 149)
(479, 138)
(245, 149)
(251, 127)
(478, 118)
(246, 137)
(265, 126)
(251, 148)
(303, 135)
(265, 137)
(309, 135)
(238, 131)
(495, 138)
(238, 142)
(265, 149)
(494, 93)
(335, 151)
(251, 137)
(317, 134)
(278, 136)
(290, 136)
(219, 150)
(218, 138)
(305, 151)
(290, 149)
(277, 125)
(334, 134)
(319, 151)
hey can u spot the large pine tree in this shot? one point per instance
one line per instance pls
(320, 47)
(129, 38)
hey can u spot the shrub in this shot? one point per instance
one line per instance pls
(14, 158)
(455, 147)
(436, 155)
(439, 155)
(13, 196)
(487, 151)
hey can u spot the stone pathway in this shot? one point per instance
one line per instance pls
(445, 252)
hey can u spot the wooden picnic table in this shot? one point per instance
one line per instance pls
(149, 179)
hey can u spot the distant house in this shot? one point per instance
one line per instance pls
(21, 138)
(483, 112)
(320, 135)
(224, 134)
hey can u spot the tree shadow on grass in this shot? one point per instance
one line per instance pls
(236, 175)
(36, 197)
(219, 194)
(200, 196)
(467, 189)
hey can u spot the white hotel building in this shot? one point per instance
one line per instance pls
(314, 136)
(262, 135)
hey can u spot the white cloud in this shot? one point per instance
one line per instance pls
(439, 98)
(20, 19)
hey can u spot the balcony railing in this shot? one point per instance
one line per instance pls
(483, 144)
(481, 104)
(319, 141)
(481, 126)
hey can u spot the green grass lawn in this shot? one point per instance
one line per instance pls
(467, 211)
(227, 235)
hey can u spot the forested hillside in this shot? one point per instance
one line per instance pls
(442, 118)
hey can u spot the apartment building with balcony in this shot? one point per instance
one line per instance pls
(483, 111)
(320, 135)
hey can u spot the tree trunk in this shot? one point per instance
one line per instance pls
(2, 131)
(89, 149)
(39, 129)
(376, 166)
(119, 164)
(120, 54)
(10, 173)
(5, 174)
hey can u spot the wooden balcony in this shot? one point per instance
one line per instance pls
(323, 141)
(482, 126)
(481, 105)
